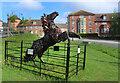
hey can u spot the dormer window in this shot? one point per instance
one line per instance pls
(97, 17)
(81, 16)
(34, 22)
(104, 17)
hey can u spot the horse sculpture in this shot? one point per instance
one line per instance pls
(53, 35)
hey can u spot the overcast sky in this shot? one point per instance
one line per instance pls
(35, 8)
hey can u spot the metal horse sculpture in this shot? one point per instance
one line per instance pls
(52, 36)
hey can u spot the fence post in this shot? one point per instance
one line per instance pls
(21, 54)
(77, 61)
(5, 51)
(67, 63)
(40, 68)
(84, 57)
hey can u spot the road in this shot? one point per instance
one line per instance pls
(113, 43)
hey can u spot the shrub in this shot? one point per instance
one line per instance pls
(14, 32)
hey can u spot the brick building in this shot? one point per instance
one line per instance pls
(62, 26)
(86, 22)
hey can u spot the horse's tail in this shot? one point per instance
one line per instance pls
(72, 34)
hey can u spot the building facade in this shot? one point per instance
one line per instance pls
(86, 22)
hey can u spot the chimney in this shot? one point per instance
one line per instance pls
(30, 18)
(8, 20)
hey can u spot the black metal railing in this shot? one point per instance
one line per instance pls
(61, 64)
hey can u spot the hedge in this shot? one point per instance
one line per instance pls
(85, 35)
(88, 34)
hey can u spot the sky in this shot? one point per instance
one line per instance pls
(35, 8)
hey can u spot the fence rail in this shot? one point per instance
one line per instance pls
(65, 62)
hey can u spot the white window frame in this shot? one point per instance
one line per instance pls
(73, 24)
(81, 16)
(34, 22)
(104, 17)
(90, 16)
(89, 30)
(82, 23)
(73, 17)
(36, 26)
(104, 23)
(89, 23)
(97, 30)
(97, 23)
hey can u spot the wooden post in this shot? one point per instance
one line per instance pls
(84, 57)
(67, 63)
(21, 54)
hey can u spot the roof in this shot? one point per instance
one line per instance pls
(38, 22)
(60, 25)
(108, 17)
(30, 23)
(1, 21)
(81, 12)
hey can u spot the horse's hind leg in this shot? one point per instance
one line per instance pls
(39, 56)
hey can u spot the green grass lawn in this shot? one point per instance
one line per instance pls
(101, 63)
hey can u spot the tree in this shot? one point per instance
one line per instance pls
(23, 22)
(114, 29)
(12, 18)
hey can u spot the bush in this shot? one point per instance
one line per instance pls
(88, 34)
(14, 32)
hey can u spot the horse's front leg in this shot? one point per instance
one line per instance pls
(33, 59)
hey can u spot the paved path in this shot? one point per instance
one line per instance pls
(113, 43)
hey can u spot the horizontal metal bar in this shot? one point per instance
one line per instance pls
(13, 49)
(53, 76)
(55, 56)
(72, 70)
(53, 71)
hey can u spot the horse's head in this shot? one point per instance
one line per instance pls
(27, 57)
(52, 16)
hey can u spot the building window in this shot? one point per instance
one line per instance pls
(73, 30)
(81, 23)
(78, 23)
(96, 23)
(98, 17)
(73, 17)
(90, 23)
(34, 22)
(68, 19)
(73, 23)
(82, 30)
(31, 27)
(117, 23)
(90, 30)
(104, 23)
(104, 17)
(96, 30)
(102, 30)
(89, 16)
(36, 31)
(106, 30)
(36, 26)
(81, 16)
